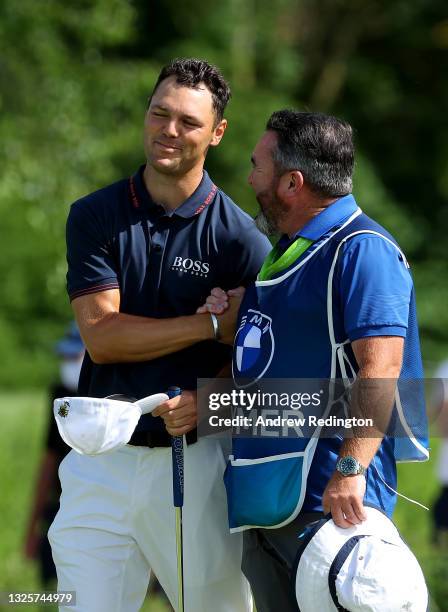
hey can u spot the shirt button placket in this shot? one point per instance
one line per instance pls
(158, 243)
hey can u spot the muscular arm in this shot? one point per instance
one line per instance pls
(379, 360)
(115, 337)
(111, 336)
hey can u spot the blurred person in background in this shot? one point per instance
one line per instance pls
(440, 410)
(70, 350)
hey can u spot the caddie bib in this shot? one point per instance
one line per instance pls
(265, 477)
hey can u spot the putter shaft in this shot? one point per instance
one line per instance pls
(180, 560)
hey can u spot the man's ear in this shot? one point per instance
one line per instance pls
(218, 133)
(291, 184)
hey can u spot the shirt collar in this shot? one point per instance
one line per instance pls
(195, 204)
(321, 224)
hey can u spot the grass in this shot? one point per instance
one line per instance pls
(23, 418)
(418, 481)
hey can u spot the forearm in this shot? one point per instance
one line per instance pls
(344, 495)
(119, 337)
(372, 397)
(362, 449)
(44, 485)
(372, 400)
(442, 420)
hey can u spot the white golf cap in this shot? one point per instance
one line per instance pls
(93, 425)
(365, 568)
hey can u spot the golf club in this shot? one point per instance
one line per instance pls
(148, 404)
(177, 450)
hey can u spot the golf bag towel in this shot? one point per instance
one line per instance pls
(266, 477)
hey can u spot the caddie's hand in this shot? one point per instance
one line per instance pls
(227, 320)
(179, 413)
(218, 300)
(343, 497)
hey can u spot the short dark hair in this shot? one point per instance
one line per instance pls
(191, 72)
(320, 146)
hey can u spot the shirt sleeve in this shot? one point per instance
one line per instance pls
(375, 286)
(91, 265)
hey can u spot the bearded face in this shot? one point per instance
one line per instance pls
(264, 180)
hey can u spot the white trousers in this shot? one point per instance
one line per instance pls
(116, 522)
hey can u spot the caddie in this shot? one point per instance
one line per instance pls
(334, 299)
(142, 254)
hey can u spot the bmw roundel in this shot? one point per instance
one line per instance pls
(253, 348)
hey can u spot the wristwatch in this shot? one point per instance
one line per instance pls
(349, 466)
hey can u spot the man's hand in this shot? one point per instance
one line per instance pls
(227, 320)
(379, 359)
(343, 497)
(226, 305)
(218, 300)
(179, 413)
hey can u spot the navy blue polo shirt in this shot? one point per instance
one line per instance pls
(165, 265)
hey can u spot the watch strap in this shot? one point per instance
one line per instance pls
(360, 469)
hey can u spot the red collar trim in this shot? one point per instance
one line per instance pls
(136, 202)
(207, 200)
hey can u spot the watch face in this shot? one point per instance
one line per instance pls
(348, 465)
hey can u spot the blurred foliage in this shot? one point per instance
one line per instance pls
(74, 79)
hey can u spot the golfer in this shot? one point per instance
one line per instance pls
(333, 300)
(143, 254)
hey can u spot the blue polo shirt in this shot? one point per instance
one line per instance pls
(372, 295)
(165, 265)
(373, 288)
(374, 284)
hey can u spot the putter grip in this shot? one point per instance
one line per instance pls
(177, 451)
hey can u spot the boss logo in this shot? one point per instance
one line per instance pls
(196, 267)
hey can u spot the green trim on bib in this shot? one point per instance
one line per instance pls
(275, 263)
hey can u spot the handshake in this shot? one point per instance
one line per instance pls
(225, 306)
